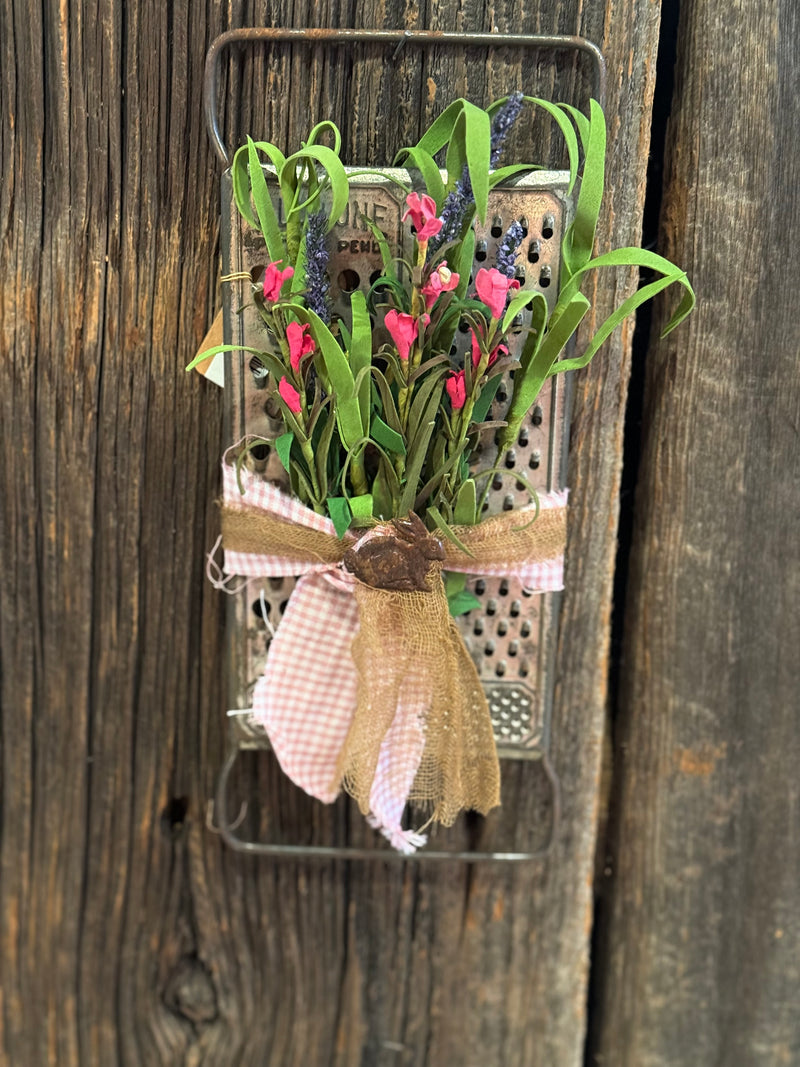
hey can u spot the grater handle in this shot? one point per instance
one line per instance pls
(398, 38)
(217, 821)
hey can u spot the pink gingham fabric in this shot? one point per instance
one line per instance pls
(546, 577)
(267, 497)
(307, 696)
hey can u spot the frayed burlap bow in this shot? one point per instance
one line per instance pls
(368, 685)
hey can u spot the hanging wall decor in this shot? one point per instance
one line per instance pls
(396, 341)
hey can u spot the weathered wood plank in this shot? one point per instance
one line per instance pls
(701, 949)
(129, 935)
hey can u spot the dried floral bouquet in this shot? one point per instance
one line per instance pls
(368, 684)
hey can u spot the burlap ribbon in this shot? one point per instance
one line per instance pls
(372, 689)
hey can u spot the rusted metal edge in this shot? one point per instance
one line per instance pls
(399, 38)
(226, 831)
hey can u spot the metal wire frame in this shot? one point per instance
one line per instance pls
(227, 831)
(218, 816)
(399, 38)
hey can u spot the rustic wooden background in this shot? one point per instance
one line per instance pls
(700, 923)
(128, 934)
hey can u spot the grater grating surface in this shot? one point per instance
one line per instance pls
(511, 638)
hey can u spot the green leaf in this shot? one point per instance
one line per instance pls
(581, 121)
(361, 506)
(537, 356)
(556, 112)
(320, 128)
(438, 133)
(477, 137)
(519, 303)
(340, 188)
(417, 158)
(459, 600)
(484, 401)
(435, 514)
(303, 489)
(387, 401)
(439, 452)
(267, 216)
(339, 511)
(462, 602)
(441, 468)
(272, 364)
(345, 335)
(386, 436)
(454, 582)
(425, 368)
(470, 146)
(640, 297)
(298, 282)
(240, 181)
(578, 243)
(465, 261)
(361, 355)
(420, 403)
(338, 373)
(464, 511)
(377, 300)
(456, 155)
(383, 244)
(322, 450)
(561, 329)
(539, 315)
(634, 257)
(502, 174)
(381, 494)
(418, 448)
(208, 352)
(283, 446)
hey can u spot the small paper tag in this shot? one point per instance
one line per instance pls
(213, 368)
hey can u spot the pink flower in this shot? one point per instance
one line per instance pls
(456, 387)
(301, 343)
(403, 328)
(500, 350)
(274, 278)
(492, 288)
(476, 349)
(422, 210)
(442, 280)
(290, 396)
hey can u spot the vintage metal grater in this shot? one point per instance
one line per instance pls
(512, 637)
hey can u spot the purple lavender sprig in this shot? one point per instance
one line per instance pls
(317, 257)
(504, 118)
(460, 199)
(506, 259)
(454, 208)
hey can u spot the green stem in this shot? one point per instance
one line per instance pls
(415, 355)
(358, 475)
(485, 494)
(294, 224)
(451, 482)
(400, 467)
(308, 456)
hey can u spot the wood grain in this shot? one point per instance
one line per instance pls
(128, 934)
(701, 949)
